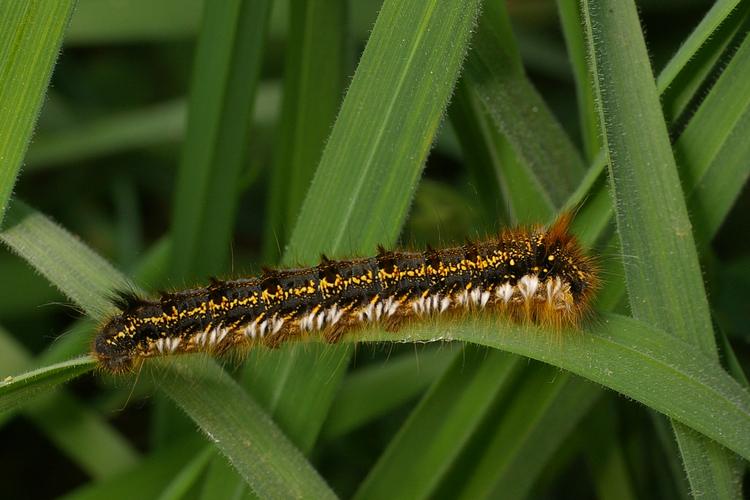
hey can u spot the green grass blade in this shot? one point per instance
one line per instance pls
(712, 470)
(640, 361)
(182, 482)
(257, 448)
(373, 391)
(494, 71)
(605, 454)
(82, 435)
(662, 272)
(372, 162)
(315, 65)
(713, 149)
(575, 41)
(221, 481)
(663, 277)
(477, 138)
(77, 431)
(225, 76)
(685, 73)
(425, 447)
(65, 261)
(30, 35)
(547, 406)
(16, 391)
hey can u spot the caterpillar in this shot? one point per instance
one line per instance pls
(529, 274)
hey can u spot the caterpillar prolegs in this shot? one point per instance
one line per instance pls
(529, 274)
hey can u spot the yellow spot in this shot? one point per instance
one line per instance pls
(551, 258)
(512, 262)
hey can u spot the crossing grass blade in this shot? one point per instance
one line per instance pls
(545, 408)
(148, 478)
(470, 386)
(712, 151)
(41, 233)
(627, 356)
(66, 262)
(16, 391)
(686, 72)
(494, 71)
(371, 164)
(371, 392)
(268, 461)
(664, 281)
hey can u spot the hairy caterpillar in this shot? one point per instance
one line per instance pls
(530, 274)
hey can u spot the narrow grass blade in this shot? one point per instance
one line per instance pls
(257, 448)
(82, 435)
(663, 277)
(571, 22)
(30, 35)
(495, 72)
(184, 481)
(712, 470)
(605, 450)
(478, 137)
(66, 262)
(16, 391)
(371, 163)
(225, 77)
(546, 407)
(221, 481)
(420, 454)
(713, 149)
(373, 391)
(686, 72)
(315, 65)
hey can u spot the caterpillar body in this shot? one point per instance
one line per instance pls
(529, 274)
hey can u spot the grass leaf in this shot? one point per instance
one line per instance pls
(30, 35)
(372, 162)
(16, 391)
(664, 280)
(493, 68)
(270, 464)
(225, 76)
(315, 66)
